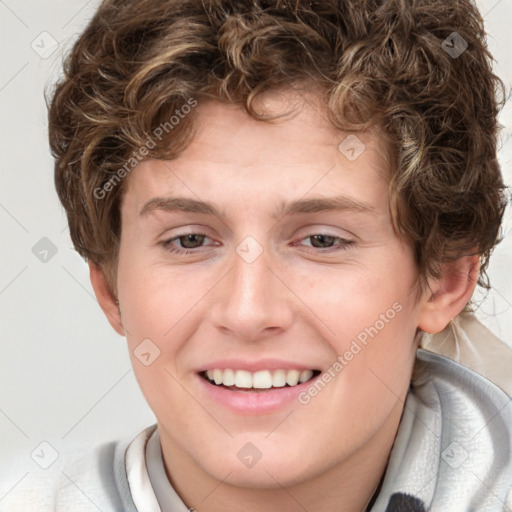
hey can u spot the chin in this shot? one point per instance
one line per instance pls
(264, 477)
(269, 472)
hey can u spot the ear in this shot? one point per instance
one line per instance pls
(106, 299)
(446, 297)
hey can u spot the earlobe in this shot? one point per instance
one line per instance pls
(447, 296)
(106, 299)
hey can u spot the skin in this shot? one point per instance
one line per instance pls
(294, 302)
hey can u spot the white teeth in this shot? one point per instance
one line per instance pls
(279, 379)
(229, 377)
(243, 379)
(218, 376)
(263, 379)
(292, 377)
(305, 375)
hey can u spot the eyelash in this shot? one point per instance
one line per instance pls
(342, 246)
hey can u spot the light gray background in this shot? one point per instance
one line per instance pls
(65, 375)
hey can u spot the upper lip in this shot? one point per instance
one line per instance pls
(255, 366)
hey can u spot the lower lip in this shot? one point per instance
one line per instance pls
(255, 402)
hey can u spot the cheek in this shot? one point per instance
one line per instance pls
(373, 315)
(372, 383)
(375, 294)
(163, 305)
(155, 298)
(159, 318)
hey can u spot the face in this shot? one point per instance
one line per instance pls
(292, 269)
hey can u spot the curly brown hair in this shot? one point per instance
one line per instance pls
(420, 70)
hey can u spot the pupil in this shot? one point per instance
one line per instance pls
(325, 238)
(187, 238)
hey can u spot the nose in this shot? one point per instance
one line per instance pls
(254, 301)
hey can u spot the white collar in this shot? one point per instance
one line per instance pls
(166, 495)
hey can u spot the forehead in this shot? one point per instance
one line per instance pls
(232, 151)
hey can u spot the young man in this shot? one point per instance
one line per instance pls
(278, 202)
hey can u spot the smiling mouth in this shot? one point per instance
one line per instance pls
(265, 380)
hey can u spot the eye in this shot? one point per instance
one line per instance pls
(325, 241)
(188, 241)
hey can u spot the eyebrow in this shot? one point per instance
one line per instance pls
(302, 206)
